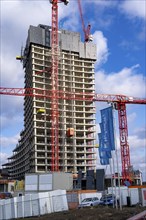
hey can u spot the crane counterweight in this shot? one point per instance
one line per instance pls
(59, 1)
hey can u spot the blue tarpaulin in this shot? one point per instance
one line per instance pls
(104, 161)
(106, 137)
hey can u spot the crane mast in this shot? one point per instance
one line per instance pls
(54, 97)
(54, 79)
(124, 145)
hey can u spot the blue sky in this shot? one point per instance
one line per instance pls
(118, 28)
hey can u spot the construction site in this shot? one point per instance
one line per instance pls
(57, 149)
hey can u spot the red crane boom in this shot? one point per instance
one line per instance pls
(120, 102)
(87, 35)
(111, 98)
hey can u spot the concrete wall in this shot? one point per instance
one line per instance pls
(69, 41)
(48, 181)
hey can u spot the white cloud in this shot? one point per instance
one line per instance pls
(127, 81)
(16, 17)
(3, 158)
(7, 145)
(11, 71)
(136, 142)
(138, 153)
(129, 45)
(9, 141)
(11, 121)
(97, 129)
(69, 16)
(14, 13)
(102, 48)
(131, 117)
(103, 3)
(134, 8)
(140, 132)
(142, 34)
(100, 6)
(11, 105)
(20, 14)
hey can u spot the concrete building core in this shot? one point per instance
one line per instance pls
(75, 74)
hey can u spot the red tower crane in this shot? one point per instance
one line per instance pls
(54, 78)
(87, 35)
(119, 101)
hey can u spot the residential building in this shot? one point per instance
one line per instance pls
(75, 75)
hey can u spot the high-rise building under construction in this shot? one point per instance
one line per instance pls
(76, 127)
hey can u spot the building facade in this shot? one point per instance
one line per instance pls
(75, 75)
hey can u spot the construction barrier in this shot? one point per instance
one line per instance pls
(33, 205)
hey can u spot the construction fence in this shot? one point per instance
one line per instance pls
(33, 205)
